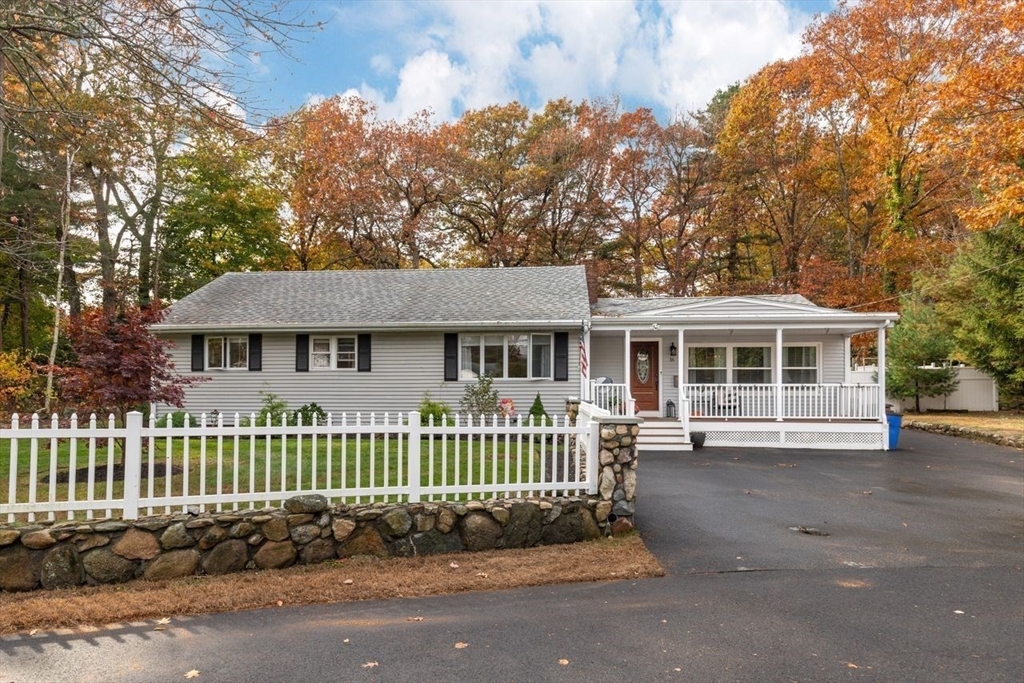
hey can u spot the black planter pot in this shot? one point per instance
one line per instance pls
(697, 439)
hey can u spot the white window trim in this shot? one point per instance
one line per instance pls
(730, 367)
(333, 363)
(225, 350)
(504, 342)
(817, 361)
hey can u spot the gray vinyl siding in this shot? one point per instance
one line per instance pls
(405, 365)
(606, 355)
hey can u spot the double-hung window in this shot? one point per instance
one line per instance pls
(227, 353)
(752, 365)
(332, 352)
(505, 356)
(800, 365)
(707, 365)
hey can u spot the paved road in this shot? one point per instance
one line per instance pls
(920, 579)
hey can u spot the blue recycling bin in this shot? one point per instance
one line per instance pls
(895, 423)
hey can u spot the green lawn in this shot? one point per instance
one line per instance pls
(262, 465)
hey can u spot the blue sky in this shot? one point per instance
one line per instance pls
(449, 56)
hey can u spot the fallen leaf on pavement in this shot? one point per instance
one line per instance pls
(370, 665)
(415, 619)
(482, 575)
(33, 632)
(165, 620)
(280, 604)
(563, 662)
(677, 669)
(958, 611)
(159, 628)
(461, 646)
(453, 565)
(345, 641)
(194, 673)
(347, 582)
(851, 665)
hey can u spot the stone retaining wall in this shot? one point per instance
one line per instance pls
(308, 530)
(966, 432)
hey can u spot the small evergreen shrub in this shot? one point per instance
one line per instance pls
(175, 419)
(428, 408)
(537, 412)
(308, 412)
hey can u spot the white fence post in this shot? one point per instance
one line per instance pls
(413, 450)
(132, 464)
(593, 446)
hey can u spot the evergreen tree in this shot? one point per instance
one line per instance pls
(985, 303)
(917, 348)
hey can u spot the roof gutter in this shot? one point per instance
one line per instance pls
(303, 327)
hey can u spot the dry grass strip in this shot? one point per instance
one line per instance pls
(339, 581)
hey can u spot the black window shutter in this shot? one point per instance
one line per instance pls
(451, 357)
(198, 353)
(255, 352)
(363, 353)
(302, 353)
(561, 356)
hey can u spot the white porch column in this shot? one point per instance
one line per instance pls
(848, 355)
(625, 360)
(681, 351)
(881, 377)
(778, 374)
(585, 376)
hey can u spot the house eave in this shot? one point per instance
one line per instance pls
(851, 323)
(459, 325)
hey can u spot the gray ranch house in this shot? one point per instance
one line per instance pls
(751, 371)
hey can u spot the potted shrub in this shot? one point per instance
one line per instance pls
(697, 439)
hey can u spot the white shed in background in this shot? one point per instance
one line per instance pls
(976, 392)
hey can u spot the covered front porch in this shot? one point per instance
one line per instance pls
(774, 374)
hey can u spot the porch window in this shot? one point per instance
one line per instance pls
(227, 353)
(333, 352)
(799, 364)
(707, 365)
(752, 365)
(505, 356)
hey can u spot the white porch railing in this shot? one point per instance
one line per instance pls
(217, 463)
(758, 401)
(614, 398)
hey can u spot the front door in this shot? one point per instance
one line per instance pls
(643, 382)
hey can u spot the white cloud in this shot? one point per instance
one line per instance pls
(449, 56)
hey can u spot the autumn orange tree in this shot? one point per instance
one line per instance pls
(769, 150)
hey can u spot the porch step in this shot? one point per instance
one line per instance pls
(662, 435)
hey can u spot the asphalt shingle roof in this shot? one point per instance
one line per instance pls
(385, 297)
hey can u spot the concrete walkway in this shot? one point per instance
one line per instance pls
(920, 578)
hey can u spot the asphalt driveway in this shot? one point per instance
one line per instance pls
(919, 578)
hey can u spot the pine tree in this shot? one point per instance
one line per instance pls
(917, 348)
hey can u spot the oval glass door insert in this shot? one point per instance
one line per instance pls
(643, 366)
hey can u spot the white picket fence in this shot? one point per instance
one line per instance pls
(215, 463)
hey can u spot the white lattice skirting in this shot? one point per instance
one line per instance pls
(852, 436)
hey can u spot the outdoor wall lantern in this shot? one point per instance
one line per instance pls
(672, 350)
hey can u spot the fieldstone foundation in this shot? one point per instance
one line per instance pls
(307, 531)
